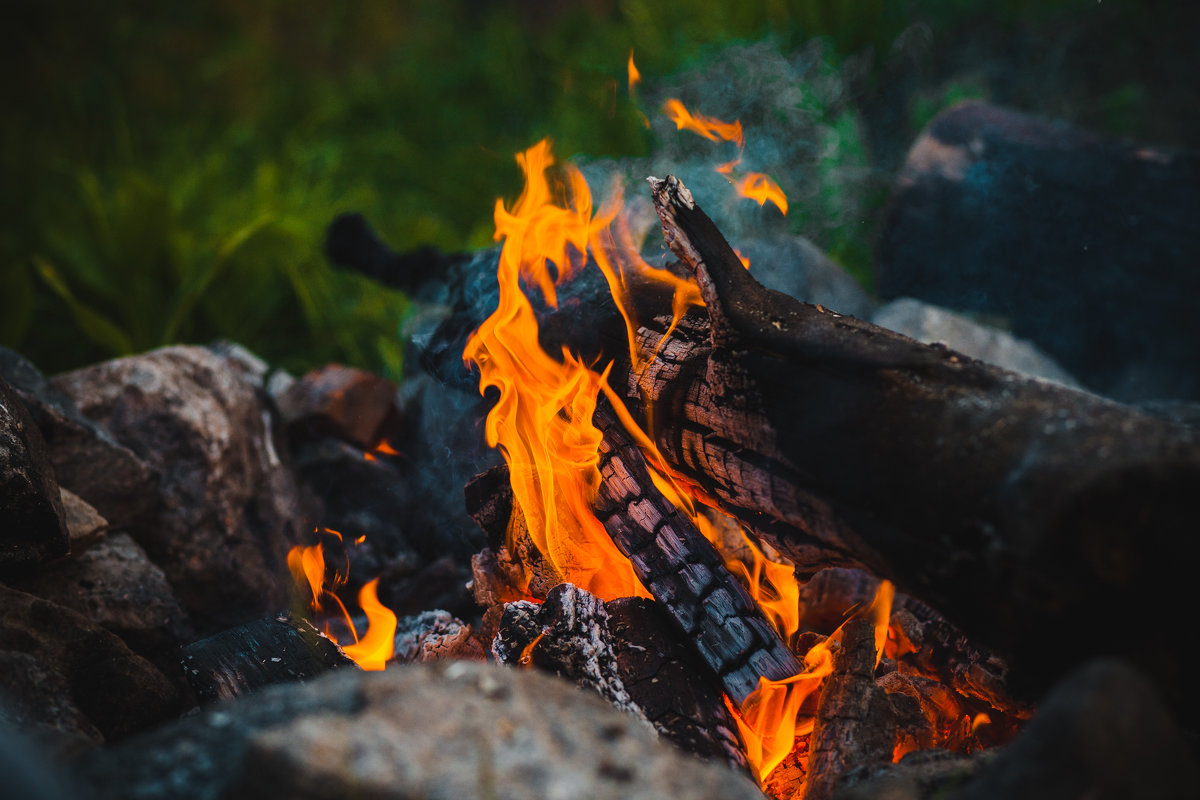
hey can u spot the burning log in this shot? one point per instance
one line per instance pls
(627, 651)
(855, 725)
(1030, 510)
(685, 572)
(260, 653)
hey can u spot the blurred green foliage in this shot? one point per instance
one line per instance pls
(169, 168)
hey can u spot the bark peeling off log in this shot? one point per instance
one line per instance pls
(684, 572)
(1037, 515)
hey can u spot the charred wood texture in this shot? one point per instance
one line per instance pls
(260, 653)
(855, 725)
(1040, 518)
(628, 651)
(684, 572)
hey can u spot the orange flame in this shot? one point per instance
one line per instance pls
(769, 718)
(635, 77)
(377, 645)
(307, 565)
(759, 188)
(754, 185)
(542, 422)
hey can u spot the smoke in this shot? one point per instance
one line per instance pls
(800, 129)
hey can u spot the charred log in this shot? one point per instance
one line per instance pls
(684, 572)
(261, 653)
(855, 726)
(1038, 515)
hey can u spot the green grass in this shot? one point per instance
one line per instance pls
(169, 169)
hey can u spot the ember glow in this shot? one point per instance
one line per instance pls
(309, 571)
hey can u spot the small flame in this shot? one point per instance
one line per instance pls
(308, 568)
(635, 77)
(753, 185)
(759, 188)
(377, 645)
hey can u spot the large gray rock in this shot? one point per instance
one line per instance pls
(451, 731)
(229, 508)
(933, 324)
(87, 459)
(32, 528)
(63, 673)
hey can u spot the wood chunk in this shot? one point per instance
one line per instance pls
(568, 635)
(435, 636)
(260, 653)
(855, 725)
(684, 572)
(670, 685)
(489, 500)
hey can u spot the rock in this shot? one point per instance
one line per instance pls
(63, 672)
(115, 584)
(793, 265)
(1103, 734)
(87, 459)
(229, 506)
(931, 324)
(85, 526)
(350, 403)
(27, 770)
(457, 730)
(1084, 244)
(32, 529)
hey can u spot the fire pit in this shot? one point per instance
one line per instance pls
(821, 557)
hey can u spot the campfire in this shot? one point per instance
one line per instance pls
(823, 557)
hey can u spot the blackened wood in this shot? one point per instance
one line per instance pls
(855, 725)
(669, 683)
(1085, 244)
(260, 653)
(1039, 518)
(568, 635)
(490, 502)
(683, 571)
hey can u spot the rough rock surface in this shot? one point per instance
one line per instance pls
(448, 731)
(933, 324)
(1104, 734)
(87, 459)
(115, 585)
(337, 400)
(229, 507)
(63, 672)
(32, 529)
(85, 526)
